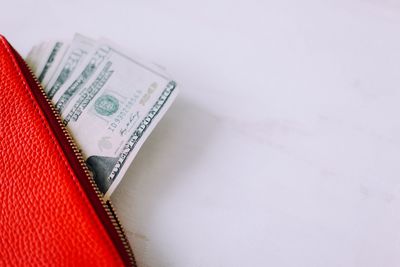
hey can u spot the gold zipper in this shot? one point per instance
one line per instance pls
(108, 207)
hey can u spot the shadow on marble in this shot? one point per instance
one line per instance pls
(169, 155)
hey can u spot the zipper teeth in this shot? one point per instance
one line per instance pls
(108, 208)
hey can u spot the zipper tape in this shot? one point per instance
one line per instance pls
(103, 209)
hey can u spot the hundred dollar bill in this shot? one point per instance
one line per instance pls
(110, 101)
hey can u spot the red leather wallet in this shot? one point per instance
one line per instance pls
(51, 211)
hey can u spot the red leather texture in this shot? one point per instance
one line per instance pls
(46, 218)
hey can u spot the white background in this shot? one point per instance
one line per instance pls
(282, 148)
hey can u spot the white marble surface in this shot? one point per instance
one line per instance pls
(283, 146)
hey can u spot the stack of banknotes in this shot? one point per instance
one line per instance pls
(109, 99)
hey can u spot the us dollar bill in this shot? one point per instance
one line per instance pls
(37, 57)
(77, 52)
(45, 58)
(110, 102)
(69, 89)
(32, 58)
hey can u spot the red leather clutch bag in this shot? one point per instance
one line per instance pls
(51, 211)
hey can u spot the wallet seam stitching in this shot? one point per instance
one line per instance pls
(60, 152)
